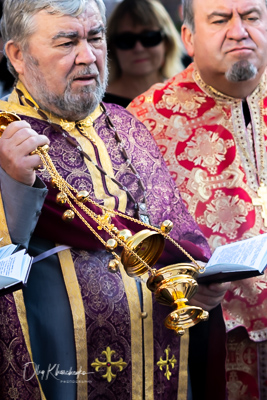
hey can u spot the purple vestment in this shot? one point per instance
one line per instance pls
(108, 323)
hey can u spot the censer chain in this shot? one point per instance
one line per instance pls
(66, 188)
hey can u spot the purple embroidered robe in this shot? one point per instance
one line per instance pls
(108, 323)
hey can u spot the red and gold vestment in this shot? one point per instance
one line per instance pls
(218, 162)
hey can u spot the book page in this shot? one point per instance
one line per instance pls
(250, 253)
(6, 251)
(25, 270)
(12, 266)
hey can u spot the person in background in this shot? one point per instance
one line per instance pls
(6, 78)
(210, 123)
(78, 331)
(144, 47)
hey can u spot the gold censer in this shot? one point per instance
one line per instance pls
(173, 285)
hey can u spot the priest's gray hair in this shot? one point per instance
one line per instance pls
(17, 20)
(188, 13)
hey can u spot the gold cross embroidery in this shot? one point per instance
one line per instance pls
(262, 201)
(108, 364)
(105, 220)
(167, 363)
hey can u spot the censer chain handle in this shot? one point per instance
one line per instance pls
(63, 186)
(7, 117)
(173, 285)
(43, 154)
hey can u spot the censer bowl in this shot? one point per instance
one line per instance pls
(170, 273)
(173, 286)
(148, 245)
(185, 317)
(182, 288)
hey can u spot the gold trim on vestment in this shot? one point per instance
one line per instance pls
(4, 233)
(72, 286)
(13, 106)
(21, 310)
(183, 366)
(86, 145)
(79, 323)
(148, 341)
(18, 295)
(136, 335)
(99, 190)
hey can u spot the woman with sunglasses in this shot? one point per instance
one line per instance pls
(144, 48)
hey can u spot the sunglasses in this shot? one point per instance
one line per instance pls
(127, 40)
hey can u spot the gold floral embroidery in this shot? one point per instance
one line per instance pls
(225, 214)
(181, 100)
(13, 393)
(251, 293)
(235, 386)
(206, 149)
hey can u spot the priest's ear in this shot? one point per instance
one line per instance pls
(15, 56)
(188, 40)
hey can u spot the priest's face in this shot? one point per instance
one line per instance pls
(64, 63)
(229, 41)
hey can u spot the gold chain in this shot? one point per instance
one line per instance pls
(66, 188)
(81, 125)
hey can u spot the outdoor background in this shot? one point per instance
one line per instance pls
(172, 6)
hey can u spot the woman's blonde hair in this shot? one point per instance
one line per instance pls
(146, 13)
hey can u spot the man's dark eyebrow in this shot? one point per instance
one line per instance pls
(68, 35)
(227, 15)
(75, 34)
(251, 10)
(96, 31)
(219, 14)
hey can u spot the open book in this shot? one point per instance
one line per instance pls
(238, 260)
(15, 267)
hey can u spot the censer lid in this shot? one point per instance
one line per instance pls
(148, 245)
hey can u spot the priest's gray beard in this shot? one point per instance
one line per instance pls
(242, 70)
(69, 105)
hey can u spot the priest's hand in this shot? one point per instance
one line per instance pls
(16, 143)
(209, 296)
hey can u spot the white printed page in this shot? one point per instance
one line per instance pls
(25, 270)
(251, 253)
(6, 251)
(12, 266)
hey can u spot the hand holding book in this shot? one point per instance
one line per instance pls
(238, 260)
(234, 261)
(15, 265)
